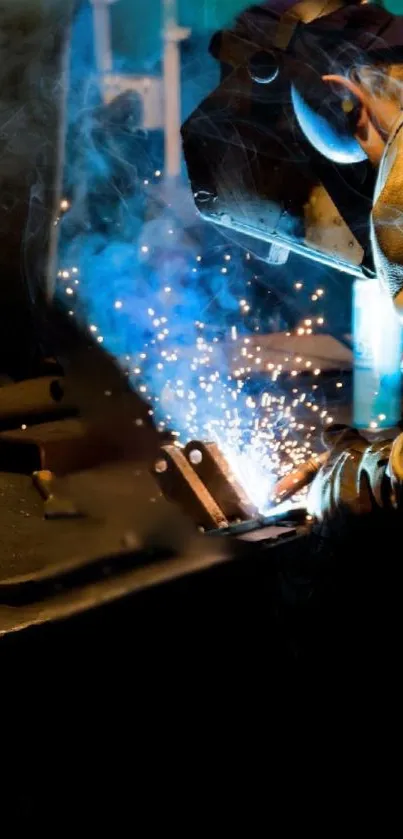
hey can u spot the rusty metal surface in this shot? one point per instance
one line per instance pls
(131, 538)
(61, 446)
(124, 509)
(214, 470)
(180, 484)
(21, 402)
(55, 504)
(66, 602)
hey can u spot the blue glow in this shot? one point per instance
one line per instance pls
(163, 294)
(377, 357)
(340, 148)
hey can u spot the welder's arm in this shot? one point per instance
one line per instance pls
(387, 233)
(358, 478)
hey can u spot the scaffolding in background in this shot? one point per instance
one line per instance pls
(160, 95)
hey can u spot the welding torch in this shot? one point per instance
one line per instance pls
(360, 475)
(299, 478)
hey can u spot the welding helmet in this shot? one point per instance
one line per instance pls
(267, 150)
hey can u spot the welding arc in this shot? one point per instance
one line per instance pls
(300, 478)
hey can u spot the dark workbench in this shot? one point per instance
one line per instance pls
(131, 538)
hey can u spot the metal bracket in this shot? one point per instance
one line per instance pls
(179, 483)
(200, 480)
(214, 470)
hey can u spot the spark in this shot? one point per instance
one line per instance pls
(189, 389)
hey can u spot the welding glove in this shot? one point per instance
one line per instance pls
(358, 478)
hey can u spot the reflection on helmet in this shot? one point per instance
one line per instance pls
(329, 136)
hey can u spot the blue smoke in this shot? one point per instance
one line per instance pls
(162, 293)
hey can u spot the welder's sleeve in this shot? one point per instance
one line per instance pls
(387, 233)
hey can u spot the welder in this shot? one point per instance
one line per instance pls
(349, 105)
(343, 62)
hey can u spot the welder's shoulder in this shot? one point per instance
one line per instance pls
(387, 213)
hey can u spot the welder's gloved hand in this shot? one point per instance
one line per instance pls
(357, 478)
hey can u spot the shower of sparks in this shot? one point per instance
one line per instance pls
(206, 392)
(261, 436)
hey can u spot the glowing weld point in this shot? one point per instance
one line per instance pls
(118, 304)
(69, 290)
(144, 249)
(64, 205)
(100, 339)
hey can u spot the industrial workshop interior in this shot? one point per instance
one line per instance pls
(200, 344)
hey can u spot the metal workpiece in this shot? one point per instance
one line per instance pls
(32, 398)
(62, 446)
(180, 483)
(56, 505)
(214, 470)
